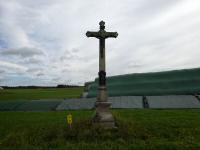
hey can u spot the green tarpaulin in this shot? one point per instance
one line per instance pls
(176, 82)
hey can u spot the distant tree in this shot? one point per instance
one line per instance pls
(61, 86)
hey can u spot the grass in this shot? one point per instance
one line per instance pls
(137, 129)
(34, 94)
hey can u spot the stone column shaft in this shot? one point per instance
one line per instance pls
(102, 59)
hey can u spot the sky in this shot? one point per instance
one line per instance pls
(43, 42)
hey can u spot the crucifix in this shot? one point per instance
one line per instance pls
(103, 115)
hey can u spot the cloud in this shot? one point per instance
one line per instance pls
(55, 79)
(11, 33)
(32, 60)
(12, 66)
(65, 70)
(34, 70)
(69, 55)
(2, 71)
(49, 36)
(59, 80)
(40, 74)
(23, 52)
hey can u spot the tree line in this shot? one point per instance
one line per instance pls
(39, 87)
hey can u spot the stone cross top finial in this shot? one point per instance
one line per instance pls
(102, 25)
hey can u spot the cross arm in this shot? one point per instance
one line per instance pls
(92, 34)
(111, 34)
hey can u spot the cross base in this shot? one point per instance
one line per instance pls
(103, 116)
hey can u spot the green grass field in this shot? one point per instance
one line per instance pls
(35, 94)
(137, 129)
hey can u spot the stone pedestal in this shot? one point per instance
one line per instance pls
(103, 115)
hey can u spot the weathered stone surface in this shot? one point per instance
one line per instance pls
(103, 114)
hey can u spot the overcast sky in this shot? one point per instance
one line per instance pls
(43, 42)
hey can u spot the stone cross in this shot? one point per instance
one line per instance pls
(103, 116)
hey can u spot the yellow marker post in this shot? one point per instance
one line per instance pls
(69, 120)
